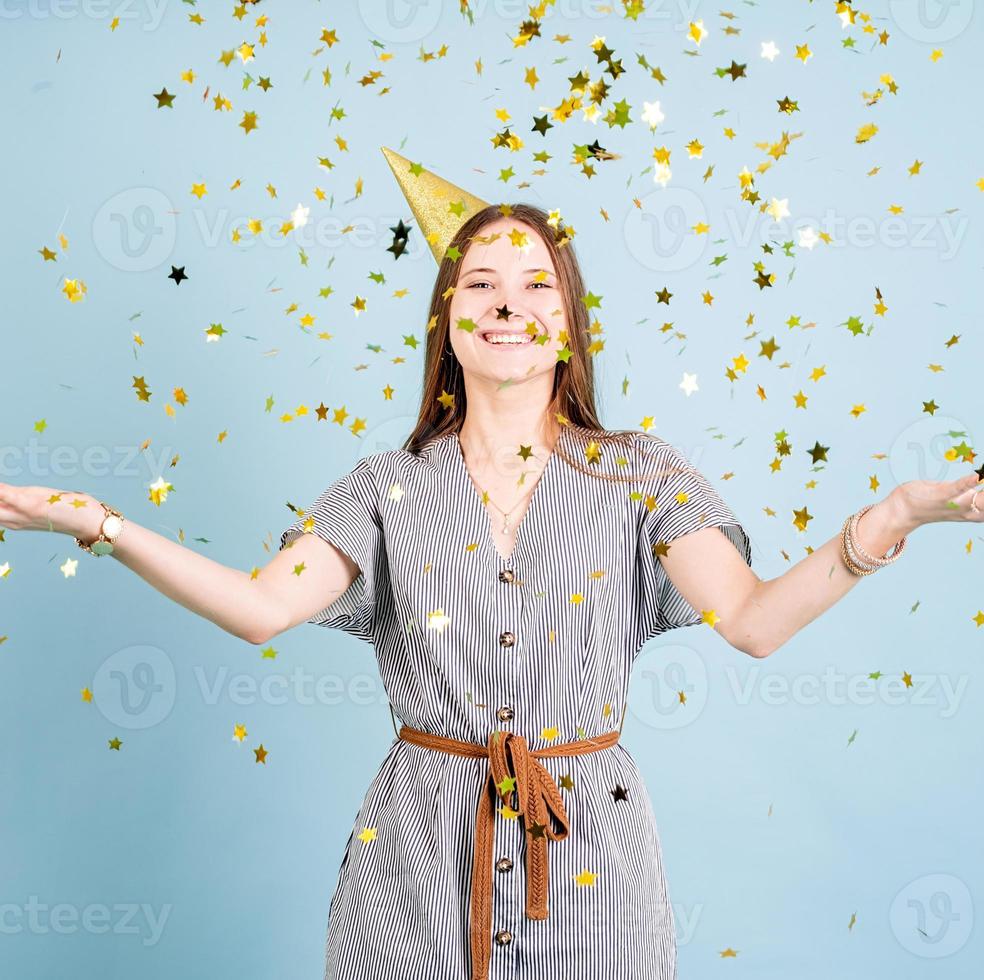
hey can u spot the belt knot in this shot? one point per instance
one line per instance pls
(514, 776)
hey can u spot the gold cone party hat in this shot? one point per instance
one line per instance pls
(439, 206)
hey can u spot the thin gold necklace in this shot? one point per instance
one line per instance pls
(506, 513)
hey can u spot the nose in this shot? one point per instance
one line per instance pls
(510, 307)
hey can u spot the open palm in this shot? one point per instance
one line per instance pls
(928, 501)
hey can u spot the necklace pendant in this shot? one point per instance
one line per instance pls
(505, 525)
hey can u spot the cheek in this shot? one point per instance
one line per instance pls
(469, 303)
(547, 309)
(460, 309)
(554, 322)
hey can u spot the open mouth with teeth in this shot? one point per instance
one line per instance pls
(504, 338)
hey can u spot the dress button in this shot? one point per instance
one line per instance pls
(505, 713)
(507, 639)
(503, 864)
(503, 936)
(506, 575)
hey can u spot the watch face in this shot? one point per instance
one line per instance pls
(112, 526)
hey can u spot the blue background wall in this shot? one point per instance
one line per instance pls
(178, 855)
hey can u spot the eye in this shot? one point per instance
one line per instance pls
(481, 282)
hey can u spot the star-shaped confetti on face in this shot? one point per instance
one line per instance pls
(503, 312)
(178, 275)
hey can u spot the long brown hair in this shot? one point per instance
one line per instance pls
(443, 401)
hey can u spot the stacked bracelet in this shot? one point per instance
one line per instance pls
(855, 557)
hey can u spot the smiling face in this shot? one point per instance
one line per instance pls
(507, 284)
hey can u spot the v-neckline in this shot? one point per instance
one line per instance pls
(519, 538)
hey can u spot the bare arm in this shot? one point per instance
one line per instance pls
(758, 616)
(296, 583)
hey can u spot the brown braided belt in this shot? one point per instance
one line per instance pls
(512, 768)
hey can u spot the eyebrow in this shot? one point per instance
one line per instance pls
(484, 269)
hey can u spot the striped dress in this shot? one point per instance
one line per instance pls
(460, 647)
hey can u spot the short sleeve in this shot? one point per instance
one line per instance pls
(346, 515)
(683, 501)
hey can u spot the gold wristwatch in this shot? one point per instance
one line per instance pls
(109, 531)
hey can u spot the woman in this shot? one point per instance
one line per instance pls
(508, 564)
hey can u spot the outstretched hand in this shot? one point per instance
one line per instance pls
(930, 501)
(44, 509)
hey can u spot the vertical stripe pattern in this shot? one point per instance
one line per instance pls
(465, 647)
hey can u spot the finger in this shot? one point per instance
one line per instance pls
(960, 486)
(958, 493)
(971, 491)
